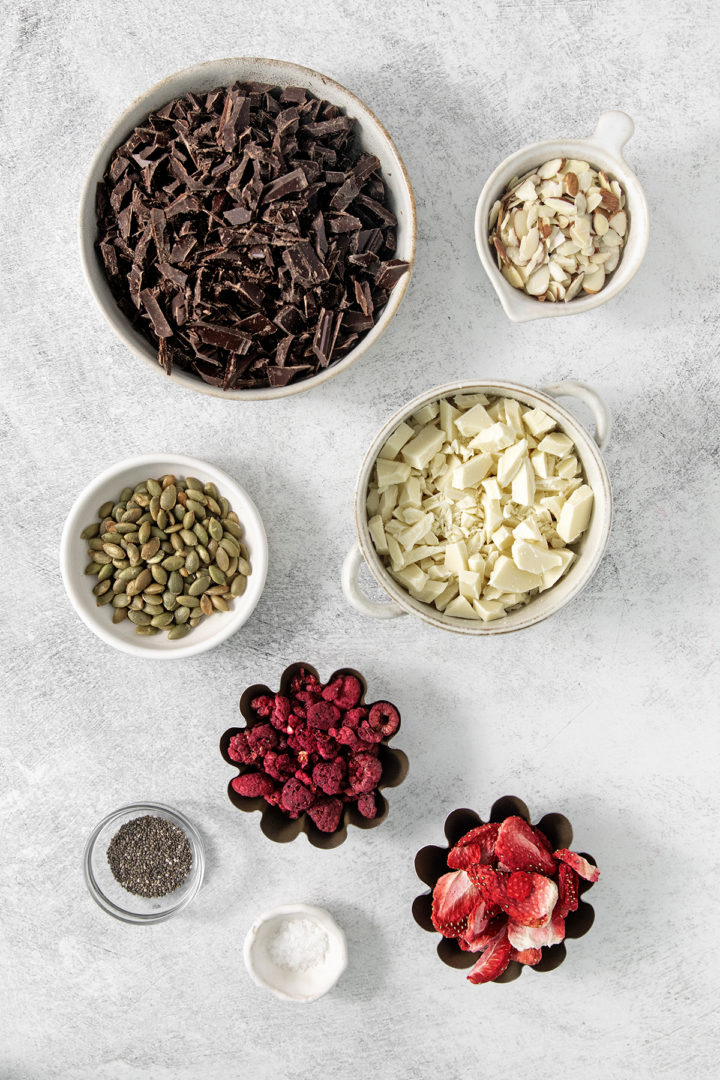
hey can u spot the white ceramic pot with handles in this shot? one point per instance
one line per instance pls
(603, 149)
(589, 549)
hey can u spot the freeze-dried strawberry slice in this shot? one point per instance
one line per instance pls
(461, 858)
(345, 691)
(581, 866)
(533, 909)
(475, 936)
(567, 889)
(454, 897)
(476, 846)
(527, 956)
(484, 877)
(523, 937)
(520, 847)
(493, 961)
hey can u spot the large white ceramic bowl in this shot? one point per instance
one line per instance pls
(589, 548)
(74, 558)
(603, 150)
(203, 77)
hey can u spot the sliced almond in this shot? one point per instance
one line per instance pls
(573, 165)
(594, 198)
(494, 213)
(571, 183)
(538, 282)
(510, 274)
(600, 257)
(532, 215)
(528, 244)
(545, 229)
(557, 272)
(574, 289)
(580, 203)
(500, 248)
(550, 168)
(612, 262)
(526, 192)
(619, 223)
(600, 224)
(585, 179)
(560, 206)
(594, 280)
(611, 239)
(603, 181)
(513, 254)
(520, 223)
(567, 247)
(610, 201)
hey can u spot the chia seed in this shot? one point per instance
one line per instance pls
(149, 856)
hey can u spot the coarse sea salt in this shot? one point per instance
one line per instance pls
(298, 945)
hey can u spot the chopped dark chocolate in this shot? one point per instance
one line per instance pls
(246, 235)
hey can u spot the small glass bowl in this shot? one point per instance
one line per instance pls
(116, 900)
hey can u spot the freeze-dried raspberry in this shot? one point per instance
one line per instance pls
(323, 715)
(327, 747)
(384, 718)
(329, 775)
(303, 739)
(345, 691)
(279, 766)
(364, 772)
(307, 698)
(366, 804)
(370, 735)
(306, 779)
(281, 712)
(238, 749)
(262, 705)
(261, 738)
(295, 796)
(353, 717)
(346, 736)
(253, 784)
(326, 813)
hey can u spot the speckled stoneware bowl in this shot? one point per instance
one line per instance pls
(431, 864)
(589, 548)
(199, 79)
(603, 149)
(276, 825)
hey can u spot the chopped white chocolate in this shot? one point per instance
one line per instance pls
(473, 501)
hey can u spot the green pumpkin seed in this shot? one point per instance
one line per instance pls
(137, 603)
(106, 509)
(102, 558)
(222, 559)
(104, 599)
(192, 561)
(232, 569)
(244, 567)
(182, 614)
(232, 527)
(126, 494)
(204, 554)
(121, 600)
(142, 499)
(154, 508)
(96, 544)
(231, 545)
(224, 504)
(210, 489)
(178, 632)
(177, 543)
(124, 528)
(106, 572)
(150, 548)
(217, 575)
(238, 585)
(173, 562)
(195, 508)
(114, 551)
(175, 583)
(133, 553)
(101, 588)
(119, 614)
(94, 568)
(199, 585)
(189, 519)
(193, 482)
(168, 497)
(159, 575)
(206, 604)
(90, 531)
(132, 515)
(169, 601)
(215, 529)
(139, 618)
(219, 603)
(189, 537)
(214, 506)
(154, 609)
(188, 601)
(144, 532)
(155, 587)
(163, 619)
(153, 487)
(146, 631)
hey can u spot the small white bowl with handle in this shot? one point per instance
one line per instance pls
(603, 150)
(304, 982)
(589, 549)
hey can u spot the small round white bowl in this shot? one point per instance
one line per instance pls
(300, 986)
(603, 150)
(74, 558)
(203, 77)
(589, 548)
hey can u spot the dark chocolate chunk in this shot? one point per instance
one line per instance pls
(246, 236)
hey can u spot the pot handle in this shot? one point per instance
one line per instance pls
(613, 130)
(357, 599)
(600, 411)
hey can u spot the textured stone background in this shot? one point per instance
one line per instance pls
(607, 712)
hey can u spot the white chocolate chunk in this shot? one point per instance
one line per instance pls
(449, 593)
(397, 440)
(510, 461)
(492, 488)
(448, 415)
(427, 413)
(489, 609)
(391, 472)
(411, 493)
(557, 444)
(475, 420)
(502, 538)
(473, 471)
(395, 551)
(542, 464)
(534, 559)
(538, 422)
(429, 592)
(495, 438)
(507, 577)
(423, 447)
(529, 530)
(575, 515)
(412, 577)
(568, 467)
(456, 557)
(476, 563)
(460, 608)
(470, 583)
(388, 502)
(523, 485)
(551, 576)
(513, 415)
(377, 532)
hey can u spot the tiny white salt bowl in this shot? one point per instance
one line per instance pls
(280, 948)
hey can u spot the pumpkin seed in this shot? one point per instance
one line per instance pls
(119, 614)
(182, 614)
(168, 497)
(195, 508)
(126, 494)
(150, 548)
(104, 599)
(154, 508)
(163, 619)
(146, 631)
(139, 618)
(222, 559)
(155, 588)
(189, 537)
(153, 487)
(219, 603)
(90, 531)
(178, 632)
(101, 588)
(142, 499)
(214, 506)
(132, 515)
(233, 528)
(217, 575)
(244, 567)
(208, 488)
(199, 585)
(144, 532)
(224, 504)
(193, 482)
(206, 604)
(192, 561)
(121, 600)
(137, 603)
(94, 567)
(102, 558)
(114, 551)
(238, 585)
(204, 554)
(159, 574)
(173, 562)
(105, 572)
(106, 509)
(133, 553)
(125, 528)
(154, 609)
(215, 529)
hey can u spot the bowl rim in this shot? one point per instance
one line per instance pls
(70, 534)
(119, 323)
(586, 447)
(319, 915)
(197, 872)
(517, 305)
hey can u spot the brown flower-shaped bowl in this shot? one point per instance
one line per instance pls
(274, 823)
(431, 864)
